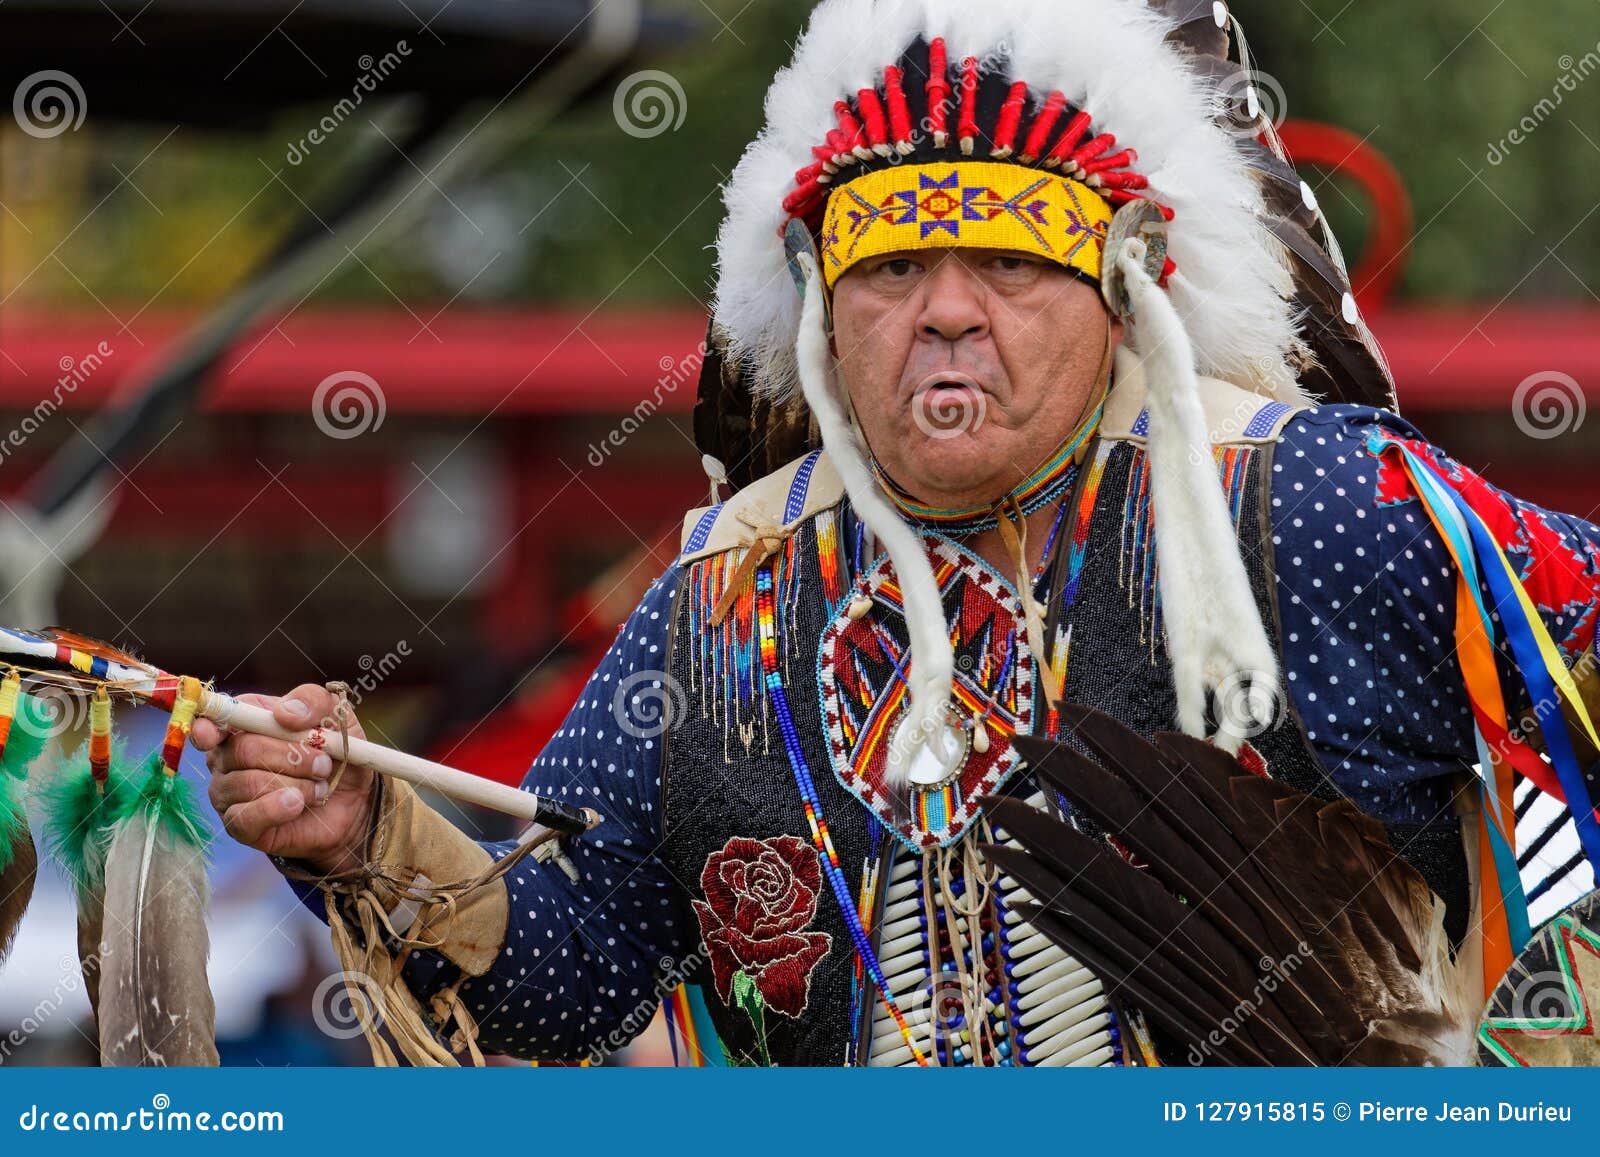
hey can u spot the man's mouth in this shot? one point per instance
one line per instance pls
(946, 387)
(947, 403)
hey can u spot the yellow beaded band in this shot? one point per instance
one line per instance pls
(965, 204)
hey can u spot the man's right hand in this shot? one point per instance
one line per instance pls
(270, 793)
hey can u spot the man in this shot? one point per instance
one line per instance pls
(1018, 232)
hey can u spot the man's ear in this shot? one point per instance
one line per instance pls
(1118, 331)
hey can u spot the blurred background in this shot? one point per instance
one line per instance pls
(357, 339)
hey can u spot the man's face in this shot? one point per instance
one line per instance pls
(967, 367)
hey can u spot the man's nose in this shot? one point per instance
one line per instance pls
(953, 304)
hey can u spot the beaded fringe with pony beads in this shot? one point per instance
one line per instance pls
(24, 728)
(813, 809)
(156, 1007)
(82, 798)
(724, 666)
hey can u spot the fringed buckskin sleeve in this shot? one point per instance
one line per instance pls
(547, 968)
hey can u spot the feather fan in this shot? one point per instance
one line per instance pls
(1266, 927)
(156, 1007)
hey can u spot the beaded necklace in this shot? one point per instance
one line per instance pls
(1037, 491)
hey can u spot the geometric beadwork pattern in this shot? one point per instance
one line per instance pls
(861, 668)
(971, 204)
(1543, 1012)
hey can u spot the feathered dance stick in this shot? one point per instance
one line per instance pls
(23, 733)
(74, 661)
(156, 1007)
(1269, 928)
(81, 802)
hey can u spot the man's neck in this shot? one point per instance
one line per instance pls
(990, 545)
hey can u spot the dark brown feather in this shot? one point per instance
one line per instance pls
(16, 885)
(1143, 908)
(1281, 186)
(750, 434)
(1349, 368)
(1175, 829)
(1194, 26)
(1257, 865)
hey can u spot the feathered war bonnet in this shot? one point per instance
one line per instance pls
(1060, 113)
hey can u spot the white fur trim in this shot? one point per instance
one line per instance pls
(1214, 631)
(931, 669)
(1108, 56)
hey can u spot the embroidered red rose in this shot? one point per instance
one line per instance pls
(761, 895)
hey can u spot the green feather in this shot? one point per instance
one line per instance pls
(78, 816)
(31, 729)
(172, 801)
(13, 818)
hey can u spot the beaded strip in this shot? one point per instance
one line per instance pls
(1078, 549)
(767, 621)
(100, 738)
(10, 699)
(182, 719)
(1037, 491)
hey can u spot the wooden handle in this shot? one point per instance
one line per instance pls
(226, 711)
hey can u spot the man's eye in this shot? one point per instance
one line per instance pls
(1007, 263)
(899, 267)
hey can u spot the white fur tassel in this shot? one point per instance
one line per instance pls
(932, 664)
(1214, 633)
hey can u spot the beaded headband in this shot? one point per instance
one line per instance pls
(972, 204)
